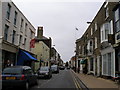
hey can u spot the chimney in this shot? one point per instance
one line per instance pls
(40, 32)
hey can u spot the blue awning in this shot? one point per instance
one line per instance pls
(24, 56)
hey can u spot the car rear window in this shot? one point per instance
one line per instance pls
(44, 69)
(53, 67)
(12, 71)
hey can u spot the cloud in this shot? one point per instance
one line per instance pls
(59, 20)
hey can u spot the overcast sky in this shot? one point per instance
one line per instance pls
(59, 20)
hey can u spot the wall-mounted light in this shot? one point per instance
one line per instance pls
(89, 22)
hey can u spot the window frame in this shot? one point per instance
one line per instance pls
(8, 11)
(15, 17)
(6, 32)
(13, 36)
(118, 20)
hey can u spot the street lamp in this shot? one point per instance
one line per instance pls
(89, 22)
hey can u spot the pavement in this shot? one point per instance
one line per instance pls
(93, 82)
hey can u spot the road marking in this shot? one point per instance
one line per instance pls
(75, 81)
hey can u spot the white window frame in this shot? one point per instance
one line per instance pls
(104, 36)
(91, 31)
(96, 26)
(106, 12)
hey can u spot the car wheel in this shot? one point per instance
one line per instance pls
(26, 86)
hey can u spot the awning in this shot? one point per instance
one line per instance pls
(24, 56)
(83, 61)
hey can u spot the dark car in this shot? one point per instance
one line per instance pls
(62, 67)
(44, 72)
(55, 69)
(18, 77)
(68, 67)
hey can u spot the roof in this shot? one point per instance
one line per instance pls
(43, 38)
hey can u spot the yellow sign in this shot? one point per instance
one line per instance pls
(10, 78)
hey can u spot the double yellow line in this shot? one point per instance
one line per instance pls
(76, 82)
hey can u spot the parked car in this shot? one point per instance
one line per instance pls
(68, 67)
(61, 67)
(18, 77)
(44, 72)
(55, 69)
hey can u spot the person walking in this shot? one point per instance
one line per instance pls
(8, 63)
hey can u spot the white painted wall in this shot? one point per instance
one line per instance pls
(16, 27)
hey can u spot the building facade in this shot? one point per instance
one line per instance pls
(55, 57)
(17, 33)
(116, 37)
(42, 49)
(94, 46)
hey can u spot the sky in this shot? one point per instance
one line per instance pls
(60, 19)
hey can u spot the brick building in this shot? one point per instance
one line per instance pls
(93, 50)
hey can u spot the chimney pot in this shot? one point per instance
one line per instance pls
(40, 32)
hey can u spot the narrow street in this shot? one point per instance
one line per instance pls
(74, 44)
(64, 79)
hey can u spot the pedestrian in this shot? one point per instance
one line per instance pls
(78, 69)
(8, 63)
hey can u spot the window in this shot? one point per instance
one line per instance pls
(28, 71)
(105, 30)
(20, 40)
(95, 26)
(104, 60)
(6, 32)
(15, 18)
(107, 59)
(30, 33)
(118, 36)
(106, 12)
(95, 42)
(91, 31)
(25, 42)
(82, 50)
(87, 36)
(21, 26)
(79, 47)
(13, 37)
(90, 43)
(26, 28)
(91, 64)
(117, 20)
(8, 11)
(90, 46)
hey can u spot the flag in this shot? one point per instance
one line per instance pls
(76, 29)
(32, 43)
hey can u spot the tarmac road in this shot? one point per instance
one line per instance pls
(64, 79)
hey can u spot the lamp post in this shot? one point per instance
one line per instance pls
(89, 22)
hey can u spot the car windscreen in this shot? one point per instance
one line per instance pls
(44, 69)
(12, 71)
(53, 67)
